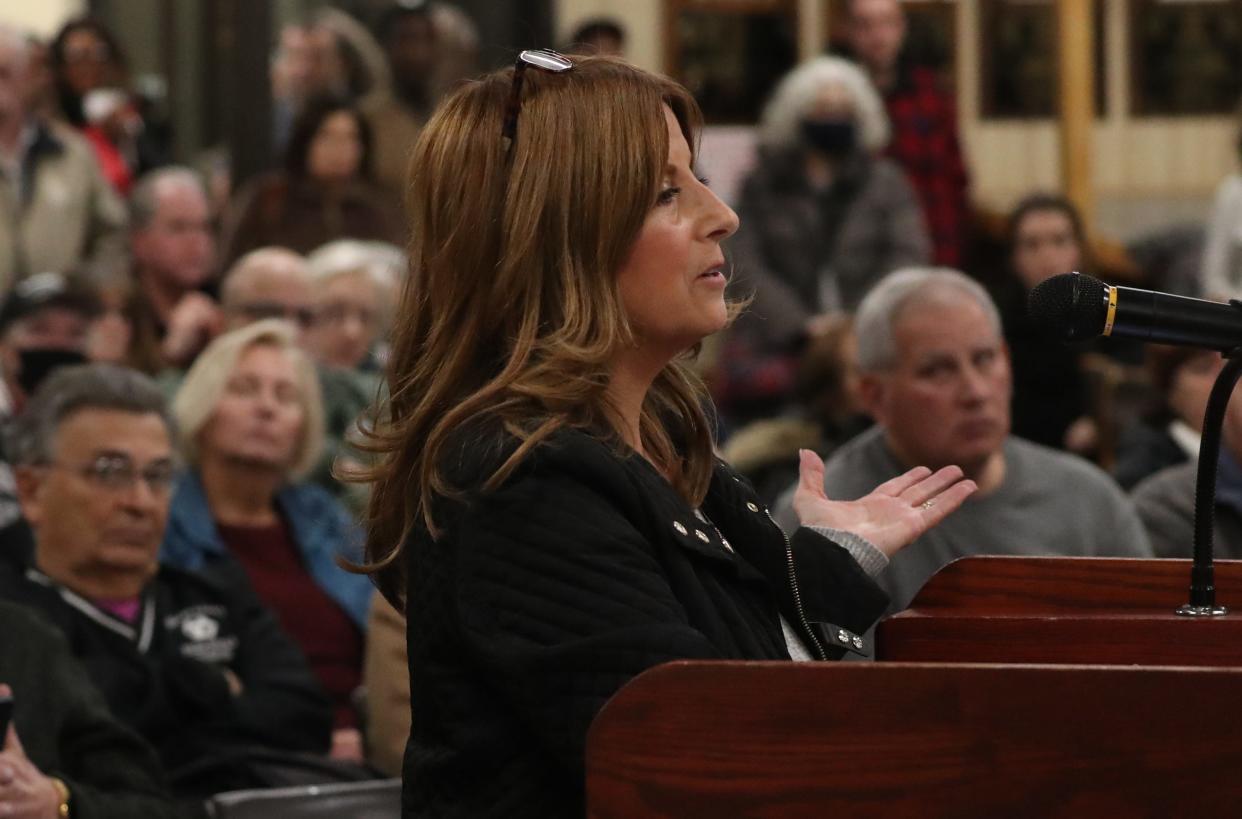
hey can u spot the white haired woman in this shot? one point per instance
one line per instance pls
(355, 285)
(250, 423)
(823, 217)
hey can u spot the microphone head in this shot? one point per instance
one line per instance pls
(1073, 307)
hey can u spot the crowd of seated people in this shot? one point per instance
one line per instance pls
(185, 579)
(187, 368)
(193, 662)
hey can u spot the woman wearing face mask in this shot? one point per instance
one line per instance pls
(823, 218)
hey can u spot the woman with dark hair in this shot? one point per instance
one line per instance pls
(323, 193)
(84, 57)
(547, 507)
(91, 81)
(1050, 399)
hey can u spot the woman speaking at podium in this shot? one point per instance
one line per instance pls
(547, 506)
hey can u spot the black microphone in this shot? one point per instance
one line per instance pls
(1076, 308)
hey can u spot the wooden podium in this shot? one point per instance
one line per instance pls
(1065, 610)
(1042, 687)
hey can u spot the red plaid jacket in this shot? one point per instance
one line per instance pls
(925, 144)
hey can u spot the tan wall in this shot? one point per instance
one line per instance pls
(43, 17)
(1148, 172)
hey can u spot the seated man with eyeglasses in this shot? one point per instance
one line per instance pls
(271, 282)
(197, 666)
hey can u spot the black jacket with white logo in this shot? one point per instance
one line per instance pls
(164, 674)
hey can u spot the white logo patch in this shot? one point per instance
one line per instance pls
(200, 628)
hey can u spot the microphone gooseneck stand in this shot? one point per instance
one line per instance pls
(1202, 574)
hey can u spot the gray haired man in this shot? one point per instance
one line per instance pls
(935, 377)
(195, 665)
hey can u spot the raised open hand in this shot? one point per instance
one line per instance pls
(893, 515)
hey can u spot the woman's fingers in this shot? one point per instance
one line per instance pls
(810, 473)
(931, 485)
(938, 507)
(895, 486)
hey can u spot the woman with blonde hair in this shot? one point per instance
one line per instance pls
(547, 507)
(250, 424)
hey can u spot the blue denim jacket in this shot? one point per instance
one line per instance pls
(320, 526)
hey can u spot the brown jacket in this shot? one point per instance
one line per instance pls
(386, 676)
(394, 130)
(276, 209)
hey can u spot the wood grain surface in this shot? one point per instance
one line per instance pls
(896, 739)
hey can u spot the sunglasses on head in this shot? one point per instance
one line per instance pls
(543, 59)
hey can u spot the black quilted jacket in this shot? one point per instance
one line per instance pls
(543, 598)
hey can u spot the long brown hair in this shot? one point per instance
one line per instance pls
(511, 312)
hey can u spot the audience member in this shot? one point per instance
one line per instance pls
(57, 212)
(1050, 397)
(924, 121)
(355, 285)
(84, 56)
(112, 125)
(251, 426)
(1222, 256)
(66, 754)
(174, 252)
(270, 282)
(323, 193)
(826, 413)
(934, 375)
(305, 65)
(1166, 500)
(457, 46)
(360, 61)
(1168, 435)
(276, 283)
(44, 324)
(823, 218)
(193, 663)
(86, 62)
(601, 36)
(407, 33)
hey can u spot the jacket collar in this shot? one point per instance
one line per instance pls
(191, 515)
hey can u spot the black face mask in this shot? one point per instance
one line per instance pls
(38, 363)
(832, 137)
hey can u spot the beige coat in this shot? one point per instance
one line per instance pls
(386, 675)
(70, 218)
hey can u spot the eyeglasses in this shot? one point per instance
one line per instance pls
(340, 313)
(543, 59)
(117, 473)
(304, 317)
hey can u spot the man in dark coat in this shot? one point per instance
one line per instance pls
(198, 667)
(64, 747)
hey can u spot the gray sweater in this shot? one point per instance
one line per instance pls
(1166, 505)
(1050, 503)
